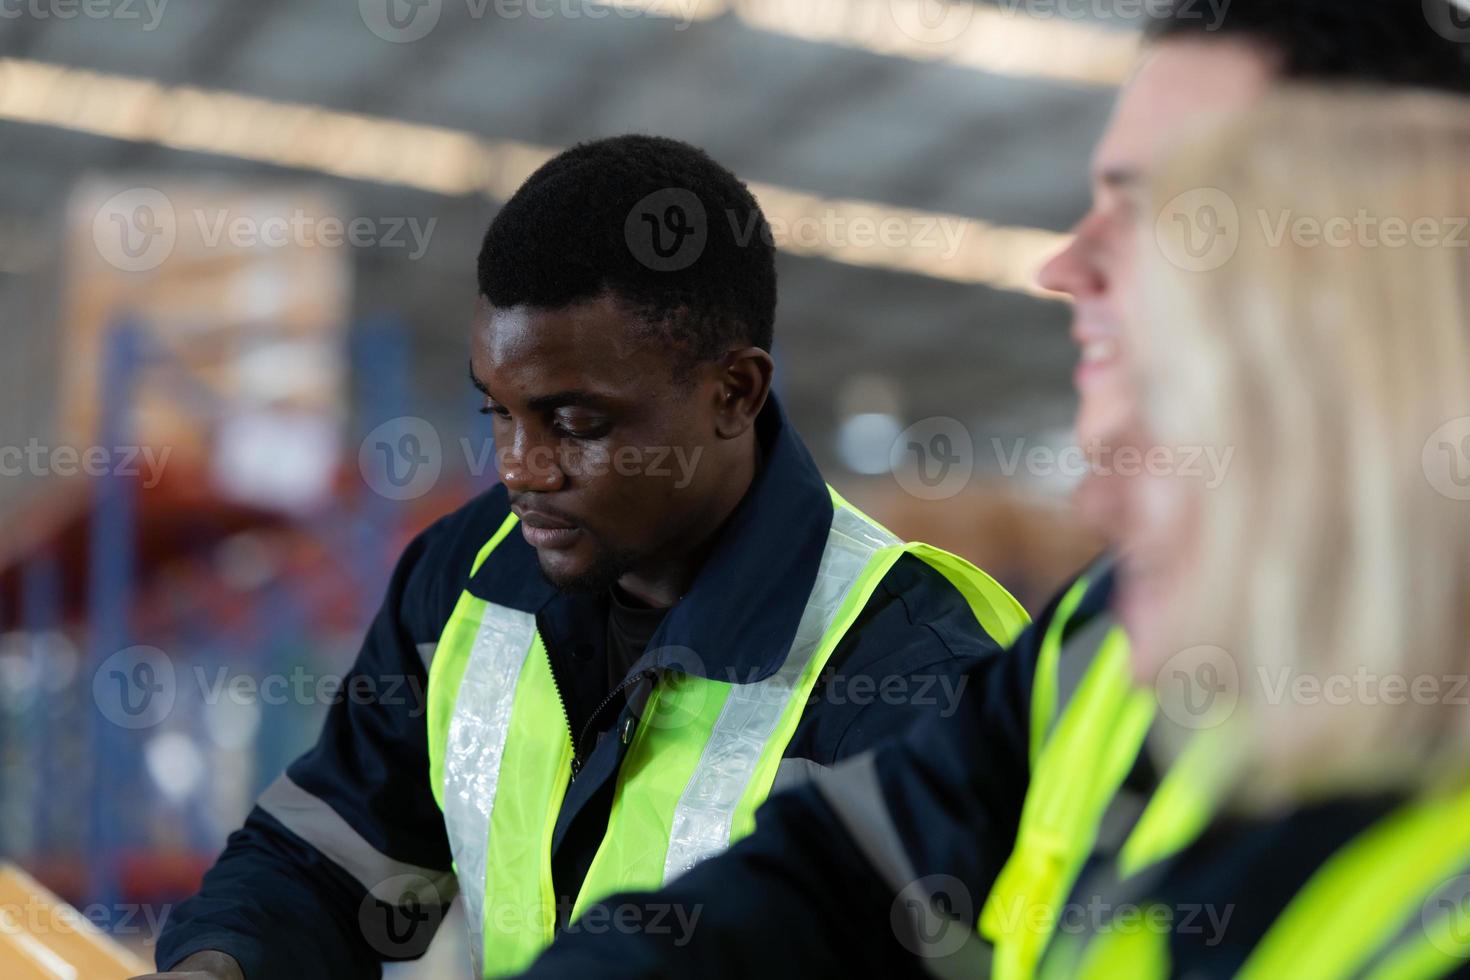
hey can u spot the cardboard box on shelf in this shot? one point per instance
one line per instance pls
(241, 291)
(43, 938)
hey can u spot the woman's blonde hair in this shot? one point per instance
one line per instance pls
(1326, 341)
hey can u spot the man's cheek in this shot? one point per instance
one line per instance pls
(652, 468)
(584, 461)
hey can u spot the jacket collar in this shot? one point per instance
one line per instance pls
(739, 617)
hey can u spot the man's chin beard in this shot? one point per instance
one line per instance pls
(605, 570)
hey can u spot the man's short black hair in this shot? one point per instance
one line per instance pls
(1364, 42)
(667, 231)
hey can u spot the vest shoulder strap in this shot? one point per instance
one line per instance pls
(1044, 709)
(1076, 777)
(1391, 904)
(1394, 895)
(446, 672)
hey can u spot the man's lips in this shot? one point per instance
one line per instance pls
(1098, 356)
(543, 531)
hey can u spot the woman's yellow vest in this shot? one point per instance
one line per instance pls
(1381, 908)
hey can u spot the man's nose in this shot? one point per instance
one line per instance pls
(1075, 270)
(529, 465)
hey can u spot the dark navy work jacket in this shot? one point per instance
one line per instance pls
(293, 893)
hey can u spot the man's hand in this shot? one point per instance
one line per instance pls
(207, 965)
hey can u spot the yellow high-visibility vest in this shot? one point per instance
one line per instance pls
(702, 760)
(1085, 738)
(1390, 904)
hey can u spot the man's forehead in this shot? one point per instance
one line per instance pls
(1179, 85)
(582, 346)
(517, 327)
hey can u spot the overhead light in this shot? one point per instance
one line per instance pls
(922, 243)
(1003, 39)
(999, 40)
(456, 162)
(865, 442)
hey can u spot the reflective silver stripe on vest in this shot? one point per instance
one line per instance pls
(1076, 658)
(933, 916)
(702, 818)
(426, 654)
(791, 773)
(474, 748)
(313, 820)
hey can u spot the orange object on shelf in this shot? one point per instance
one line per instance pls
(43, 938)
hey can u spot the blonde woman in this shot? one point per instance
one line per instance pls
(1304, 618)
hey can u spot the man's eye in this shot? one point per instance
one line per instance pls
(497, 410)
(582, 428)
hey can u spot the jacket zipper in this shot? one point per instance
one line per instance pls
(578, 739)
(629, 681)
(561, 700)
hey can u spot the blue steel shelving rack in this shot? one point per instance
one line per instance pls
(358, 527)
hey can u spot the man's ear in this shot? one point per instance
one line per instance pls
(743, 384)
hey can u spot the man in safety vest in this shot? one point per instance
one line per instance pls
(659, 614)
(954, 852)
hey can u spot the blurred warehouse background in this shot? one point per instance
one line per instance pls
(237, 248)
